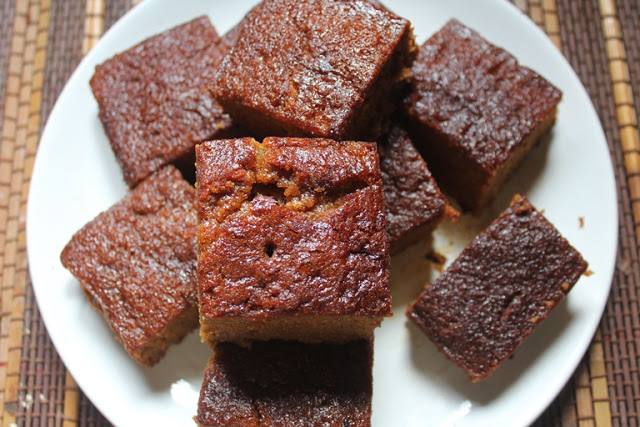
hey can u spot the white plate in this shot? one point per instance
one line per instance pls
(76, 176)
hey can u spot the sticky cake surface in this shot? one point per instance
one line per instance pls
(474, 108)
(153, 102)
(280, 383)
(413, 202)
(308, 68)
(290, 228)
(136, 263)
(498, 290)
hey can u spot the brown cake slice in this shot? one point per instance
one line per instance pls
(231, 36)
(291, 240)
(324, 68)
(153, 102)
(136, 263)
(280, 383)
(475, 112)
(414, 204)
(498, 290)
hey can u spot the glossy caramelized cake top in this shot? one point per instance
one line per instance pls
(137, 260)
(504, 283)
(153, 101)
(291, 225)
(477, 96)
(309, 63)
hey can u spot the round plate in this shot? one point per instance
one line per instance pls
(569, 176)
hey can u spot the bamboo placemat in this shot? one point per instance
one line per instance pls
(43, 41)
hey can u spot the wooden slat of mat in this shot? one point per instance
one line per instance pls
(42, 378)
(7, 9)
(625, 108)
(590, 50)
(114, 11)
(599, 384)
(624, 354)
(43, 397)
(93, 24)
(629, 17)
(543, 13)
(19, 141)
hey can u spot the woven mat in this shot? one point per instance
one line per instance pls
(43, 41)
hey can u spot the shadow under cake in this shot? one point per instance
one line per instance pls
(285, 383)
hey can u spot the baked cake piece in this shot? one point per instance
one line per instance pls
(153, 101)
(136, 263)
(231, 36)
(324, 68)
(475, 112)
(413, 201)
(284, 383)
(291, 240)
(498, 290)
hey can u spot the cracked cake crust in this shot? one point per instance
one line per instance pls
(291, 240)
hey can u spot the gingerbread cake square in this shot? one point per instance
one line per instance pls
(475, 112)
(284, 383)
(503, 284)
(231, 36)
(136, 263)
(323, 68)
(153, 100)
(413, 202)
(291, 240)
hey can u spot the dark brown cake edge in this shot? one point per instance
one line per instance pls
(518, 204)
